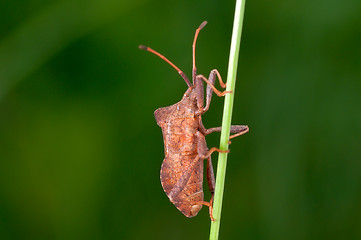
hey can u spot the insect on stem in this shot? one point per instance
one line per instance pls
(165, 59)
(185, 143)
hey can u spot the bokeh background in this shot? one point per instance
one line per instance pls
(80, 151)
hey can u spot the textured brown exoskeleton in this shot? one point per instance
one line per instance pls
(184, 141)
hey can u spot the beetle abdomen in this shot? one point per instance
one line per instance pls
(191, 189)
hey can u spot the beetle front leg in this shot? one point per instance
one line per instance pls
(210, 87)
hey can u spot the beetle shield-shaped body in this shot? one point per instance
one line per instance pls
(181, 172)
(185, 145)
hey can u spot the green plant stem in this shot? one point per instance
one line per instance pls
(227, 116)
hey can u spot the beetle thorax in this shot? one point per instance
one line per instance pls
(189, 99)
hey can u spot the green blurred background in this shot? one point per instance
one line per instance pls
(80, 151)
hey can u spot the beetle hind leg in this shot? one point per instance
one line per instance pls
(197, 205)
(211, 185)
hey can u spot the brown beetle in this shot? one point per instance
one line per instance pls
(185, 145)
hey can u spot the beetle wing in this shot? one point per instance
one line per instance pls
(182, 181)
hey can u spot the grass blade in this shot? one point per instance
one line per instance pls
(227, 116)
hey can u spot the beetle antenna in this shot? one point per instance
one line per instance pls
(165, 59)
(194, 70)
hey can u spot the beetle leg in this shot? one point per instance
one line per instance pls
(202, 148)
(243, 129)
(211, 184)
(210, 176)
(237, 129)
(210, 87)
(215, 71)
(212, 150)
(208, 204)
